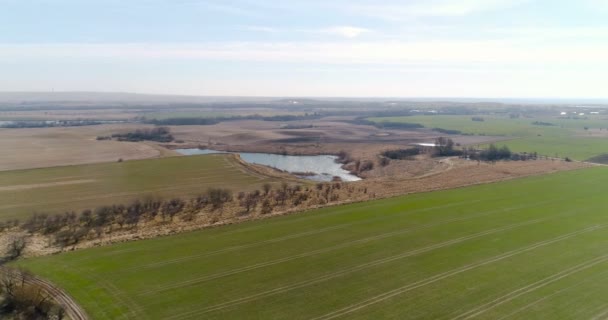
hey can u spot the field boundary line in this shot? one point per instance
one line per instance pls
(421, 283)
(360, 267)
(21, 187)
(531, 287)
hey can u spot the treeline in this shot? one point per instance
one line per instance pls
(541, 123)
(159, 134)
(386, 124)
(402, 154)
(398, 125)
(70, 228)
(447, 131)
(297, 126)
(184, 121)
(494, 153)
(49, 124)
(445, 147)
(216, 120)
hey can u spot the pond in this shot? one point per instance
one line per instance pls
(318, 168)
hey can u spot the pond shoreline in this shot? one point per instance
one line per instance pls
(323, 167)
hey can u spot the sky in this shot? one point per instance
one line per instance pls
(332, 48)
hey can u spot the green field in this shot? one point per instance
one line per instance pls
(52, 190)
(567, 138)
(532, 248)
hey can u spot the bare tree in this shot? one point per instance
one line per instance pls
(16, 245)
(266, 187)
(22, 298)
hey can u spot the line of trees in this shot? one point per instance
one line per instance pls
(185, 121)
(494, 153)
(386, 124)
(444, 147)
(447, 131)
(70, 228)
(159, 134)
(401, 154)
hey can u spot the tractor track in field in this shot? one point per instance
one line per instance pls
(444, 275)
(312, 253)
(602, 315)
(531, 287)
(309, 282)
(547, 297)
(346, 271)
(275, 240)
(72, 309)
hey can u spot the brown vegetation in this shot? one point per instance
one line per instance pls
(149, 218)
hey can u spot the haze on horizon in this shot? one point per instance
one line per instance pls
(359, 48)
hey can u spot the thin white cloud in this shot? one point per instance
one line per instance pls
(260, 29)
(424, 53)
(345, 31)
(350, 32)
(548, 33)
(431, 8)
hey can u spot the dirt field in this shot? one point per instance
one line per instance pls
(94, 114)
(415, 176)
(75, 188)
(327, 136)
(48, 147)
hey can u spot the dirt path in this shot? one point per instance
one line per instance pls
(72, 309)
(45, 185)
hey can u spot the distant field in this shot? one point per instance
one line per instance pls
(48, 147)
(524, 249)
(160, 115)
(87, 186)
(566, 138)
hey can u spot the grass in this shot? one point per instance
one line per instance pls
(23, 192)
(526, 249)
(567, 138)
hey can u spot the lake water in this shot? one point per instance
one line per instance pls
(324, 167)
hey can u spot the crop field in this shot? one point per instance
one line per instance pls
(52, 190)
(522, 249)
(565, 138)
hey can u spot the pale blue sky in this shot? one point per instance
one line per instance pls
(411, 48)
